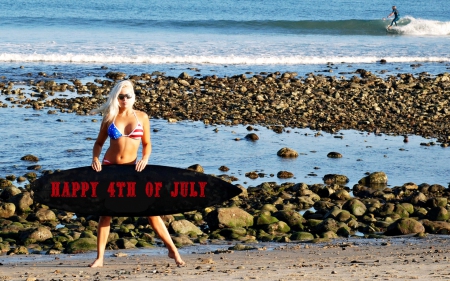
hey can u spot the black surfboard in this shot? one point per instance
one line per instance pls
(118, 190)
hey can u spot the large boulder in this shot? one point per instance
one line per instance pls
(436, 227)
(355, 207)
(438, 214)
(182, 240)
(34, 235)
(9, 192)
(286, 152)
(301, 236)
(229, 217)
(81, 245)
(7, 210)
(327, 225)
(185, 227)
(44, 215)
(293, 218)
(5, 183)
(404, 226)
(374, 179)
(22, 201)
(30, 157)
(278, 227)
(335, 179)
(265, 218)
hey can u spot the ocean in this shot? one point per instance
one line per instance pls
(74, 38)
(86, 39)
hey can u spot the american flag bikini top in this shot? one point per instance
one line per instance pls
(114, 133)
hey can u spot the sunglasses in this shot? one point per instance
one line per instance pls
(128, 96)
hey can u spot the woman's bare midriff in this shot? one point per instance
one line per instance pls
(122, 151)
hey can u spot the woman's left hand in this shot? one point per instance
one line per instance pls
(141, 164)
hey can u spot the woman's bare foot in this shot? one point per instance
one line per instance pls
(176, 256)
(97, 263)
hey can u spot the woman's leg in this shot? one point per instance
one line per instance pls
(104, 225)
(160, 228)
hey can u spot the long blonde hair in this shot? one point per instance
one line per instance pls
(110, 108)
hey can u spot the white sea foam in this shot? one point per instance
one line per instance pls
(423, 27)
(214, 60)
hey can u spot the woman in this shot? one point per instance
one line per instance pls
(126, 128)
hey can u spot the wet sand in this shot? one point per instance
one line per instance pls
(342, 259)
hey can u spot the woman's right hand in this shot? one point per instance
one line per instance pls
(96, 165)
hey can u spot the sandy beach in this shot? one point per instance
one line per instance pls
(399, 258)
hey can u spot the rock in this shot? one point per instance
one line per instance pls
(277, 227)
(286, 152)
(301, 236)
(437, 202)
(19, 250)
(44, 215)
(81, 245)
(327, 225)
(334, 155)
(438, 214)
(233, 233)
(11, 230)
(404, 226)
(335, 179)
(224, 168)
(269, 208)
(22, 201)
(184, 75)
(265, 219)
(293, 219)
(5, 183)
(229, 217)
(34, 167)
(31, 176)
(39, 234)
(252, 137)
(9, 192)
(7, 210)
(436, 227)
(329, 235)
(182, 240)
(196, 168)
(284, 175)
(410, 186)
(374, 178)
(30, 157)
(341, 195)
(123, 243)
(185, 227)
(355, 207)
(343, 216)
(115, 75)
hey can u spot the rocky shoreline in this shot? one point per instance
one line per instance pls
(401, 105)
(268, 212)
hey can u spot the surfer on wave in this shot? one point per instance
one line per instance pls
(396, 15)
(126, 128)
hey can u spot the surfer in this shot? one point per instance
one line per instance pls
(126, 128)
(396, 15)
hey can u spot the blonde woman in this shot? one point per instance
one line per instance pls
(127, 129)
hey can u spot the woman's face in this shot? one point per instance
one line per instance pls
(126, 97)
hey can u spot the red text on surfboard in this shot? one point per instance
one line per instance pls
(127, 189)
(188, 189)
(130, 187)
(74, 189)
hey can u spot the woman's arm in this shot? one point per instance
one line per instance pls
(146, 142)
(98, 145)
